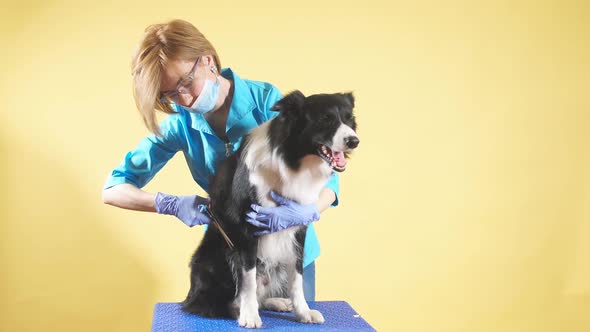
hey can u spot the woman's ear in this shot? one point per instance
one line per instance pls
(207, 60)
(291, 103)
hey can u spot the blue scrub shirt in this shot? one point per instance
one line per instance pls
(203, 151)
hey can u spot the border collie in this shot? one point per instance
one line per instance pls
(233, 273)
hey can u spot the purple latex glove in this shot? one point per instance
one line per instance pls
(286, 214)
(191, 210)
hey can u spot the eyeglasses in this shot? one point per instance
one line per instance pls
(183, 86)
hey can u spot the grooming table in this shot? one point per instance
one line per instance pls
(339, 316)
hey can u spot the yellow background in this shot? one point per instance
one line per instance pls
(465, 208)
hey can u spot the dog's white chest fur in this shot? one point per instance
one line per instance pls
(269, 172)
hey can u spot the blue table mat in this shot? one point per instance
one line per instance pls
(339, 316)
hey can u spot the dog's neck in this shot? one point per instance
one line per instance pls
(269, 171)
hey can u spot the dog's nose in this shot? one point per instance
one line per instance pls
(351, 142)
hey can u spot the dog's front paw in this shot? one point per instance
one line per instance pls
(250, 320)
(311, 316)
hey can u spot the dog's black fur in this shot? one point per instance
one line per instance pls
(302, 125)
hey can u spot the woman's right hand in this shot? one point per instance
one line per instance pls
(191, 210)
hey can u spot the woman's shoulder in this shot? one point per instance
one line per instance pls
(261, 86)
(262, 94)
(173, 123)
(252, 85)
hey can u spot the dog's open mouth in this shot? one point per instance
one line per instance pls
(335, 159)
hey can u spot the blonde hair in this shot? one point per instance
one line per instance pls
(175, 40)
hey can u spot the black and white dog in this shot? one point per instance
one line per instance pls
(232, 271)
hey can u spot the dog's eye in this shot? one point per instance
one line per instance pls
(348, 116)
(325, 117)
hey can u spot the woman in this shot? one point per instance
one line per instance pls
(176, 70)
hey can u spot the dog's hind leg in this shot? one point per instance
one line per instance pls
(302, 311)
(278, 304)
(212, 285)
(249, 316)
(271, 288)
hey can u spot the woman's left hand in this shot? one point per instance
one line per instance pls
(286, 214)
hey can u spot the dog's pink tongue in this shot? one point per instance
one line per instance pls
(339, 159)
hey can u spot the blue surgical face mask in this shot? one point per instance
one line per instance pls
(208, 97)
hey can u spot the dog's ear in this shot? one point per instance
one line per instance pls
(349, 97)
(291, 103)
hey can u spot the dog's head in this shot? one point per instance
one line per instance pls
(322, 125)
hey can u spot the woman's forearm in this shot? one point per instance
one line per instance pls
(129, 197)
(327, 197)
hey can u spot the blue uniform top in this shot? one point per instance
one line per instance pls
(203, 151)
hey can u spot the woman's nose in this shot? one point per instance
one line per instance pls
(185, 99)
